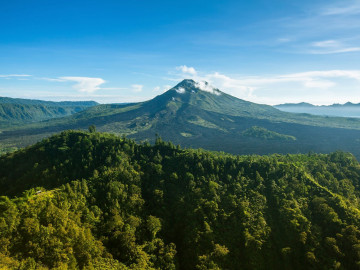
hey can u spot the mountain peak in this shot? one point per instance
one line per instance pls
(191, 86)
(187, 82)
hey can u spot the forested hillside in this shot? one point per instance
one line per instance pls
(15, 111)
(82, 200)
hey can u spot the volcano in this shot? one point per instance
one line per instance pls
(195, 114)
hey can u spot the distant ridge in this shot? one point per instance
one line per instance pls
(344, 110)
(16, 111)
(8, 100)
(347, 104)
(301, 104)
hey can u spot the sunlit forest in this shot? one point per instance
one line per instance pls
(89, 200)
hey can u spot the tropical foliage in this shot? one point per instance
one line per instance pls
(81, 200)
(263, 133)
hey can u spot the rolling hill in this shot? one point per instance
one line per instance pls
(196, 115)
(15, 111)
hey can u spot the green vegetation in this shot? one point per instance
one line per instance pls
(92, 128)
(7, 100)
(263, 133)
(81, 200)
(7, 148)
(184, 134)
(14, 111)
(203, 123)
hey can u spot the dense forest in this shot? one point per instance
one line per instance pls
(263, 133)
(88, 200)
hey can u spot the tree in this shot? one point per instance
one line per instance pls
(92, 129)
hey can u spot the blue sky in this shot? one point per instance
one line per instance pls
(119, 51)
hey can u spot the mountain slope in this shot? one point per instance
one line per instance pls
(196, 115)
(22, 101)
(19, 111)
(139, 206)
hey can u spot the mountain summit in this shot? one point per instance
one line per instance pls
(190, 86)
(195, 114)
(203, 96)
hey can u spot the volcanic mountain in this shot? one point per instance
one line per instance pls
(194, 114)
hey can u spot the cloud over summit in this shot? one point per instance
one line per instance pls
(187, 70)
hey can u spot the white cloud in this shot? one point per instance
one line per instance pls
(48, 95)
(90, 84)
(322, 87)
(310, 79)
(113, 88)
(156, 89)
(225, 82)
(205, 86)
(186, 69)
(231, 85)
(318, 84)
(340, 50)
(166, 87)
(351, 9)
(284, 40)
(51, 79)
(180, 90)
(14, 75)
(300, 32)
(327, 44)
(331, 47)
(85, 84)
(137, 87)
(351, 74)
(162, 89)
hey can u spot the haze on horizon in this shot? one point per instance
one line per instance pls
(115, 51)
